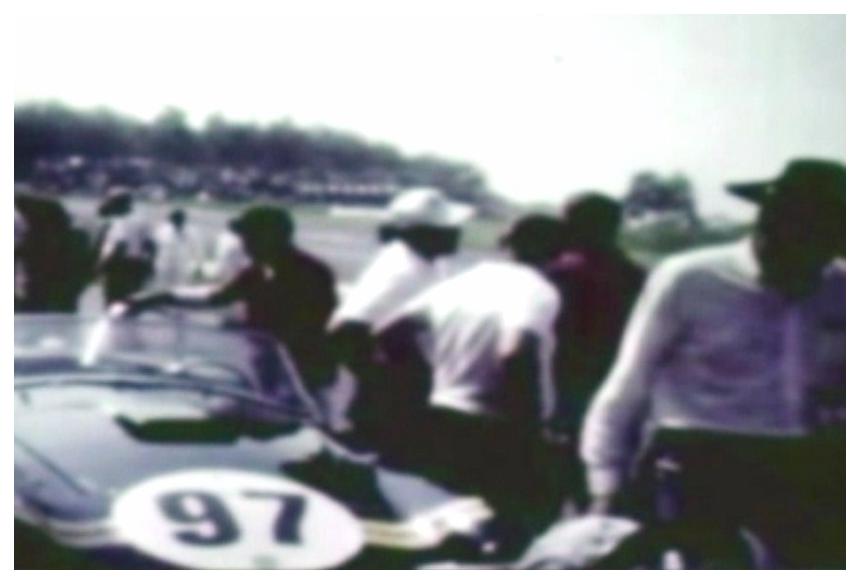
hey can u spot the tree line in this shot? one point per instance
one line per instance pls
(45, 131)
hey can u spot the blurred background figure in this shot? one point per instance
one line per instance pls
(731, 375)
(179, 253)
(465, 381)
(53, 260)
(126, 248)
(598, 285)
(228, 257)
(20, 273)
(286, 292)
(422, 227)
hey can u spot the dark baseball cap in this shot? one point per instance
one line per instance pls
(807, 178)
(263, 221)
(117, 202)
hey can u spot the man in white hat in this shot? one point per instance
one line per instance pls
(422, 227)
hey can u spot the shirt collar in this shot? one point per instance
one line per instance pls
(746, 263)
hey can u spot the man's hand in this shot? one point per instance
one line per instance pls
(119, 310)
(141, 302)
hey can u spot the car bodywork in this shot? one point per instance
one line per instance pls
(110, 416)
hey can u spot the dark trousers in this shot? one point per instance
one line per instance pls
(505, 461)
(790, 492)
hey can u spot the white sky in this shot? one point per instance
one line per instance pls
(544, 101)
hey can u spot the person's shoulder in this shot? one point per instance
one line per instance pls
(392, 260)
(311, 264)
(701, 261)
(520, 280)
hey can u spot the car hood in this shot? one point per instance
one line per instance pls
(78, 449)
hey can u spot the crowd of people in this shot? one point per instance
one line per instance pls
(704, 397)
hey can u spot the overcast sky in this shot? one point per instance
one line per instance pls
(544, 101)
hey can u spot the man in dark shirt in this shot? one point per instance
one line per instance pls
(598, 285)
(54, 257)
(286, 292)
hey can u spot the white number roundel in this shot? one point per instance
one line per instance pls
(212, 518)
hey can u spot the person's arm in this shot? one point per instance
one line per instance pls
(402, 361)
(190, 296)
(352, 345)
(521, 375)
(612, 426)
(526, 348)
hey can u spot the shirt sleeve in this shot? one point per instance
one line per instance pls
(535, 311)
(376, 289)
(535, 314)
(233, 290)
(612, 428)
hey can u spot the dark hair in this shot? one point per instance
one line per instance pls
(592, 218)
(264, 222)
(535, 238)
(177, 214)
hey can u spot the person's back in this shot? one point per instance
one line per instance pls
(475, 351)
(472, 321)
(178, 251)
(598, 288)
(598, 285)
(293, 301)
(394, 276)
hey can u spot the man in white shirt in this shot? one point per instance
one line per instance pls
(228, 258)
(478, 347)
(179, 254)
(732, 357)
(422, 228)
(126, 249)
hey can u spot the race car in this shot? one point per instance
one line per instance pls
(144, 444)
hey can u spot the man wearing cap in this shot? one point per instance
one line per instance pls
(477, 348)
(598, 285)
(422, 227)
(179, 254)
(732, 368)
(286, 292)
(126, 248)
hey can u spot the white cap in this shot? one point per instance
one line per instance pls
(426, 206)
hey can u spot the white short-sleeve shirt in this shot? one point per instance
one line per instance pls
(395, 276)
(475, 320)
(131, 231)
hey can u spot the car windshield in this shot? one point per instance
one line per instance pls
(154, 355)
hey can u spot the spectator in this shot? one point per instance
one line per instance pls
(126, 248)
(598, 285)
(53, 260)
(179, 255)
(478, 348)
(229, 257)
(286, 292)
(732, 356)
